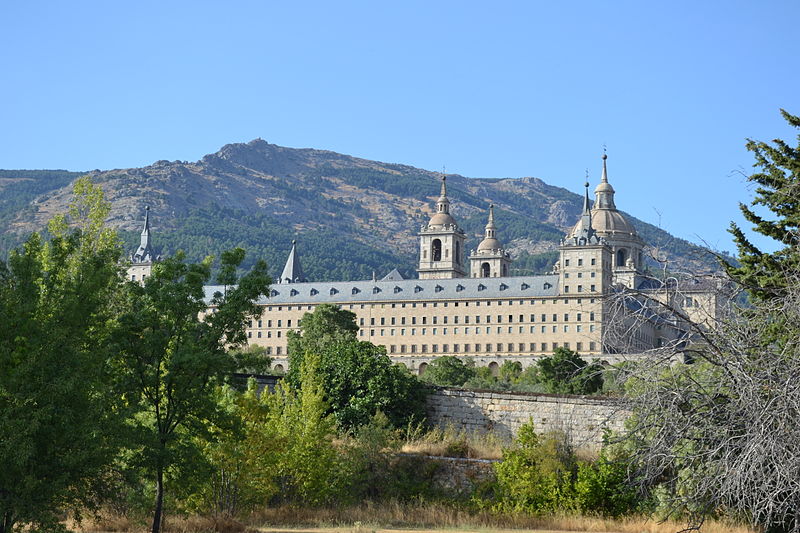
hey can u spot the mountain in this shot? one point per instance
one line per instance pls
(351, 216)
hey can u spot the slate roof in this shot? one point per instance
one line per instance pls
(407, 290)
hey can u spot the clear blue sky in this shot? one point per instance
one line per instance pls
(489, 89)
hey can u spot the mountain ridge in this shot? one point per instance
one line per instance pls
(351, 216)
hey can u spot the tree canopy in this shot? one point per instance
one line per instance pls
(778, 190)
(59, 420)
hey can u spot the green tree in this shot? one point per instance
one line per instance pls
(327, 324)
(59, 420)
(173, 341)
(449, 371)
(536, 474)
(778, 190)
(358, 378)
(566, 373)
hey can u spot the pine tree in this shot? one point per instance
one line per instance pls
(778, 179)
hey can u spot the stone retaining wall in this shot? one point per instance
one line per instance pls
(582, 419)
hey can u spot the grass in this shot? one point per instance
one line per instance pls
(369, 517)
(450, 442)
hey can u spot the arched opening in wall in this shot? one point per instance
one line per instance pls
(436, 250)
(622, 256)
(422, 368)
(278, 369)
(458, 253)
(494, 368)
(485, 270)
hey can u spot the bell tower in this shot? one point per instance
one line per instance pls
(441, 243)
(490, 259)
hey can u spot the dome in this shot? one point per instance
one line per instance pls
(489, 244)
(442, 219)
(603, 186)
(607, 222)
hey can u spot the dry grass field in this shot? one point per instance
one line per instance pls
(399, 518)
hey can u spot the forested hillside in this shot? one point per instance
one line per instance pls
(351, 216)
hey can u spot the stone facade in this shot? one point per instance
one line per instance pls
(582, 419)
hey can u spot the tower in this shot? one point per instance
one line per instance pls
(490, 259)
(292, 271)
(627, 260)
(441, 243)
(143, 258)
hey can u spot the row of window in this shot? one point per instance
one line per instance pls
(402, 305)
(579, 328)
(392, 321)
(488, 348)
(592, 288)
(473, 348)
(592, 262)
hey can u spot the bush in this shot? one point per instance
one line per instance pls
(449, 371)
(537, 475)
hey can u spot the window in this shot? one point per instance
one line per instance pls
(393, 319)
(578, 317)
(555, 317)
(383, 321)
(278, 350)
(360, 321)
(436, 250)
(413, 348)
(435, 348)
(580, 288)
(402, 348)
(424, 348)
(594, 261)
(566, 317)
(488, 347)
(592, 288)
(544, 317)
(372, 321)
(566, 289)
(580, 262)
(466, 348)
(444, 348)
(392, 348)
(477, 347)
(259, 323)
(592, 346)
(579, 346)
(544, 347)
(566, 262)
(591, 316)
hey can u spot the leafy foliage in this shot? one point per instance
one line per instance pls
(778, 190)
(169, 359)
(449, 371)
(566, 373)
(59, 419)
(358, 377)
(540, 474)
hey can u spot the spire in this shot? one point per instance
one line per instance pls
(491, 229)
(292, 272)
(586, 217)
(604, 193)
(144, 253)
(443, 204)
